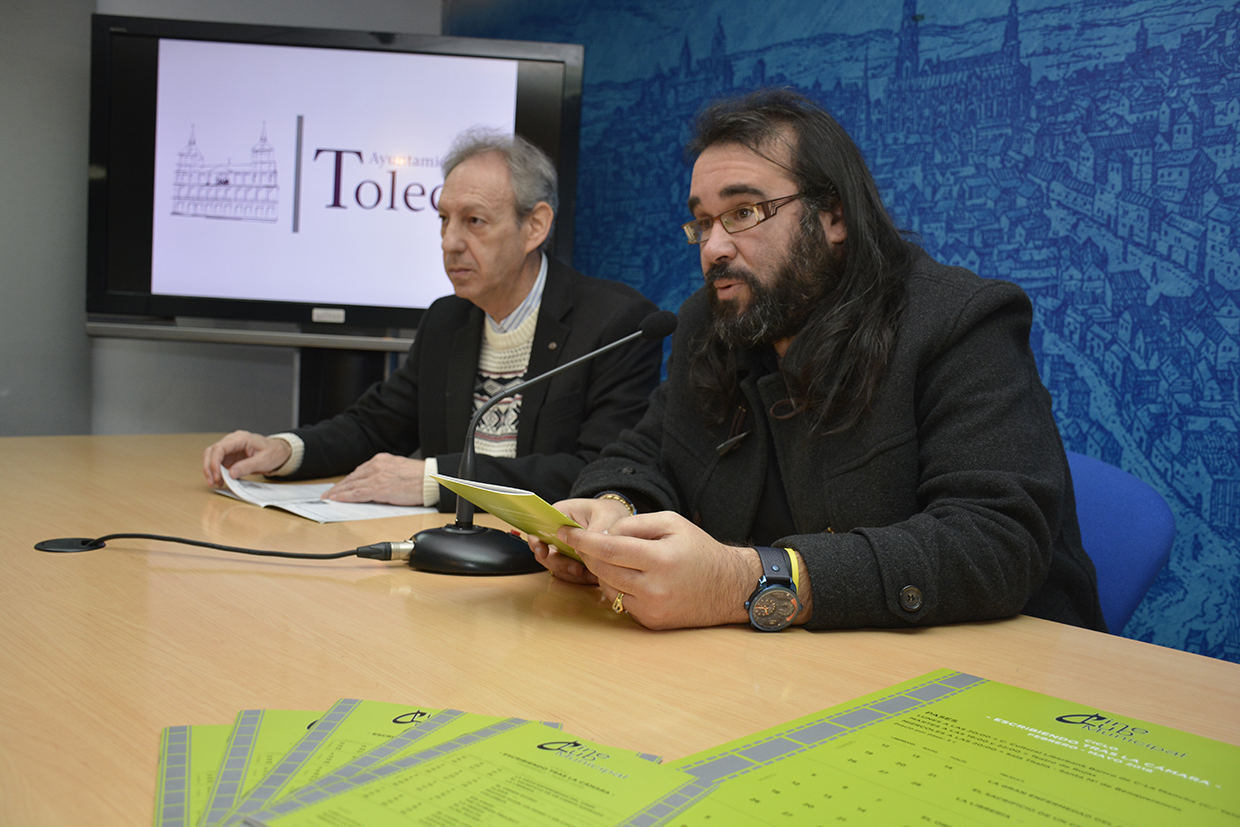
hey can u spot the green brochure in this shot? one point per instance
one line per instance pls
(349, 729)
(515, 772)
(956, 750)
(188, 759)
(259, 738)
(519, 508)
(439, 728)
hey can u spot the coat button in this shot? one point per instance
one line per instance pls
(910, 598)
(628, 469)
(550, 345)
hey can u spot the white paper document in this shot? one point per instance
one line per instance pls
(303, 499)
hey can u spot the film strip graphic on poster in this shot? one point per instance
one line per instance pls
(340, 778)
(274, 782)
(235, 766)
(715, 769)
(173, 786)
(326, 791)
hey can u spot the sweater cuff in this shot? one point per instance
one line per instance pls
(430, 488)
(298, 448)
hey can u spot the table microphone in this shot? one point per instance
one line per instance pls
(463, 548)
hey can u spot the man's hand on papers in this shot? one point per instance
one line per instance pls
(384, 478)
(243, 453)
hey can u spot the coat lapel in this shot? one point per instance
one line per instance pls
(550, 341)
(461, 377)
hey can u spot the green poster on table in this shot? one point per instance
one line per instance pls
(258, 739)
(956, 750)
(188, 759)
(438, 728)
(515, 772)
(350, 728)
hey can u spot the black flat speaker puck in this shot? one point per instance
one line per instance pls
(67, 545)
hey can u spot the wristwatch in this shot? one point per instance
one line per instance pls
(773, 604)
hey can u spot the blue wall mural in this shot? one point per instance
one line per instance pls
(1085, 150)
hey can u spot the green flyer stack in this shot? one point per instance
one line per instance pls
(943, 749)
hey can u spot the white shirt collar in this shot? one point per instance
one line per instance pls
(513, 320)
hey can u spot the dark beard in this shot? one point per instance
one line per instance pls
(776, 311)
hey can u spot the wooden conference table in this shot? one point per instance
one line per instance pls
(101, 650)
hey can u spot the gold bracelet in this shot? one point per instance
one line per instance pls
(618, 497)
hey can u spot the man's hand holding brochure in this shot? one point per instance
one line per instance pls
(519, 508)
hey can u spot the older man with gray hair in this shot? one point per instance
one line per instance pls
(515, 313)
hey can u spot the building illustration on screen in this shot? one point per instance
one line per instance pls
(241, 192)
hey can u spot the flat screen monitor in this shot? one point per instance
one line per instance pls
(291, 175)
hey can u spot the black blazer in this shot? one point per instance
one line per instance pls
(565, 422)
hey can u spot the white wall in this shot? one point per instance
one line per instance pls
(153, 387)
(53, 378)
(44, 101)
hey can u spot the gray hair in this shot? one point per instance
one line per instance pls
(530, 170)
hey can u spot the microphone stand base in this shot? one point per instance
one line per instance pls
(456, 549)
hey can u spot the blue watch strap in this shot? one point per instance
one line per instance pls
(776, 567)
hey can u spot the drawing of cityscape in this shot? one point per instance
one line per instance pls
(241, 192)
(1086, 150)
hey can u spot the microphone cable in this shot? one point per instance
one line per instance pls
(377, 551)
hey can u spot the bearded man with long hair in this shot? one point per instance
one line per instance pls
(850, 434)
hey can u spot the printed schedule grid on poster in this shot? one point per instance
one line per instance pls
(957, 750)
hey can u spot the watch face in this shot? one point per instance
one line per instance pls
(773, 609)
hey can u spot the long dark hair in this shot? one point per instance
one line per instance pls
(843, 348)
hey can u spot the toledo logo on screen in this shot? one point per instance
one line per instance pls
(370, 194)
